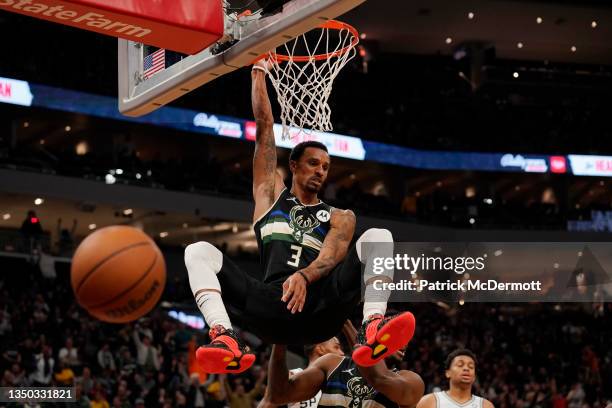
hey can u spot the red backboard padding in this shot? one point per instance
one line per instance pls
(186, 26)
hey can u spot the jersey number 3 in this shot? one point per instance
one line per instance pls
(296, 252)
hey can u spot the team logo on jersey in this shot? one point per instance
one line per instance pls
(323, 215)
(301, 222)
(359, 391)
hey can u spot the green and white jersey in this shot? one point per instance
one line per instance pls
(346, 388)
(290, 235)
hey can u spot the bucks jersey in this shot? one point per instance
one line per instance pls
(444, 401)
(290, 235)
(345, 387)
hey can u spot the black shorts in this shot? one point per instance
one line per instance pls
(257, 307)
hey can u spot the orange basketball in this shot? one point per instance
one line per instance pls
(118, 274)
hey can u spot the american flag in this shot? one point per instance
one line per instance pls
(153, 63)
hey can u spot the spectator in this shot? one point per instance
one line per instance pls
(127, 364)
(81, 398)
(69, 354)
(105, 358)
(64, 376)
(575, 397)
(44, 368)
(239, 397)
(85, 381)
(65, 241)
(148, 357)
(99, 401)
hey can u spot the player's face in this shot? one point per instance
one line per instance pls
(310, 171)
(462, 370)
(333, 346)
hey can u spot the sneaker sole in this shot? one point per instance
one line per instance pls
(215, 360)
(394, 335)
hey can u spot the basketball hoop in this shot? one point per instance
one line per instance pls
(303, 74)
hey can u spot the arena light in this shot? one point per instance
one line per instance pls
(128, 211)
(488, 201)
(163, 234)
(515, 75)
(38, 201)
(574, 49)
(363, 36)
(499, 252)
(119, 171)
(472, 221)
(26, 124)
(519, 45)
(185, 225)
(110, 179)
(594, 24)
(6, 216)
(471, 15)
(68, 128)
(449, 40)
(539, 20)
(42, 142)
(92, 227)
(82, 148)
(138, 176)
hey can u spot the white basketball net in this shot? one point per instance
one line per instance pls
(303, 87)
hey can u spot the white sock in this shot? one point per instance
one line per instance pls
(372, 308)
(381, 246)
(203, 262)
(212, 308)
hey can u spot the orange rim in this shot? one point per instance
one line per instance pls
(331, 25)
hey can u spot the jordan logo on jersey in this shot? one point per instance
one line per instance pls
(301, 222)
(359, 391)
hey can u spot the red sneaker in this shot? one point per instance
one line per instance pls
(379, 337)
(225, 354)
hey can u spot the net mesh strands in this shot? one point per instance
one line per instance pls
(304, 83)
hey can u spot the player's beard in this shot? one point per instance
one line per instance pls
(312, 185)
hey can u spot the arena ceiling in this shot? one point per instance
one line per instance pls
(423, 26)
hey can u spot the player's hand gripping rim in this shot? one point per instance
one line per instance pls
(294, 292)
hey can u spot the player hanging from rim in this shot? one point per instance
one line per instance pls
(461, 373)
(342, 382)
(311, 278)
(313, 352)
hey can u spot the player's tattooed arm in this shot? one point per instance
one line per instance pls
(334, 249)
(267, 182)
(405, 388)
(284, 389)
(335, 245)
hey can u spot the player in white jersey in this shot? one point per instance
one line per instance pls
(461, 374)
(313, 352)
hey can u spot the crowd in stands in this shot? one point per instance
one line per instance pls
(547, 356)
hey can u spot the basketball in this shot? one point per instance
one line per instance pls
(118, 274)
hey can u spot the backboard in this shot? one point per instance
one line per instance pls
(245, 38)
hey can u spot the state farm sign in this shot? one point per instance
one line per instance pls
(189, 28)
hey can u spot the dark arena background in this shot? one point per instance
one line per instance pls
(480, 120)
